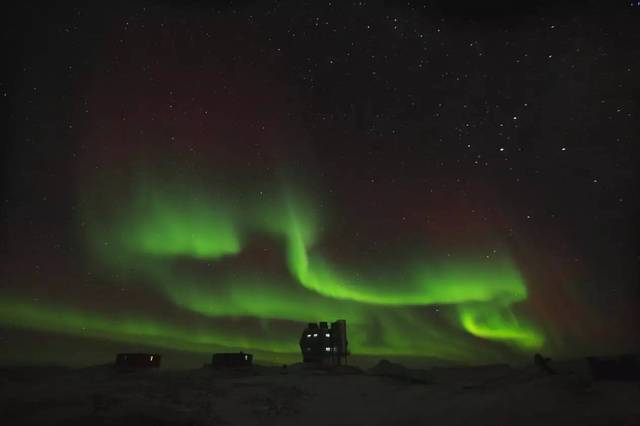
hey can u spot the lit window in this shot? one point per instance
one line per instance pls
(308, 335)
(315, 334)
(151, 358)
(327, 349)
(327, 335)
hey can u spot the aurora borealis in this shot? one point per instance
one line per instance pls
(198, 179)
(154, 231)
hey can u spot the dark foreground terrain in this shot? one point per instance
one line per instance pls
(388, 394)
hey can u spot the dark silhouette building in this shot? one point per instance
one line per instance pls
(324, 345)
(134, 361)
(231, 360)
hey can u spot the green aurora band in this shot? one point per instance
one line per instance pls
(131, 328)
(147, 236)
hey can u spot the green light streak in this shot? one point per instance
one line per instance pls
(402, 333)
(181, 224)
(154, 230)
(491, 322)
(129, 328)
(261, 298)
(437, 282)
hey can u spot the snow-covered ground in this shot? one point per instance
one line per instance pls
(388, 394)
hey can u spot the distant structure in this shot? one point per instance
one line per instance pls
(324, 345)
(232, 360)
(137, 361)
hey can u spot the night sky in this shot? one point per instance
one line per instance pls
(457, 180)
